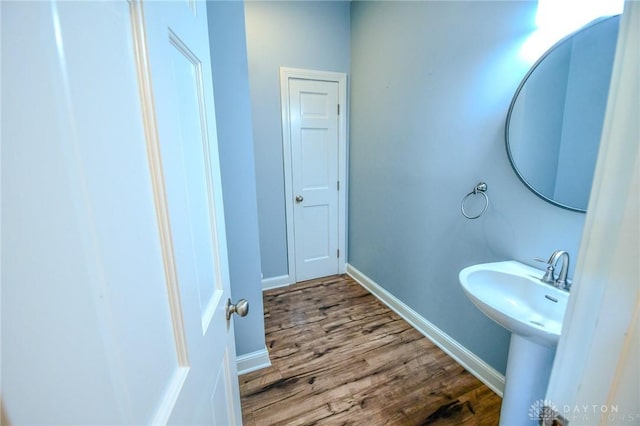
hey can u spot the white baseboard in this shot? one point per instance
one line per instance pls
(470, 361)
(253, 361)
(276, 282)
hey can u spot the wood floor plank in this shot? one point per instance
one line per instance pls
(341, 357)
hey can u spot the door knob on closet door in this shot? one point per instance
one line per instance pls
(299, 198)
(241, 308)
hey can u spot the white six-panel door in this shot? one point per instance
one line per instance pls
(178, 50)
(314, 165)
(114, 265)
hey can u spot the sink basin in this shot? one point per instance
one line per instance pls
(511, 294)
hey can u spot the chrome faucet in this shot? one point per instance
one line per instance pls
(550, 277)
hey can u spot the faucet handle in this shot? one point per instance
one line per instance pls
(549, 275)
(567, 284)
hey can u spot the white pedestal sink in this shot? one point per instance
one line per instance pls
(511, 294)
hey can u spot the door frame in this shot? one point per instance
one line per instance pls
(341, 80)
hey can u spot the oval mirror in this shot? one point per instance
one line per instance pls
(555, 119)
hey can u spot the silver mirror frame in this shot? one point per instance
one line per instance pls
(515, 97)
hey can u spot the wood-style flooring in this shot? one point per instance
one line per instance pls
(340, 357)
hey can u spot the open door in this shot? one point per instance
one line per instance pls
(114, 263)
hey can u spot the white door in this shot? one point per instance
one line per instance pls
(314, 166)
(114, 274)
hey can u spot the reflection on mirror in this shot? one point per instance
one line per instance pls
(555, 120)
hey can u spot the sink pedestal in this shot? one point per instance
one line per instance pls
(511, 294)
(528, 370)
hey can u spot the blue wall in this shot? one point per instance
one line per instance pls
(431, 83)
(296, 34)
(235, 144)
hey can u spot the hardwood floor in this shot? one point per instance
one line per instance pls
(341, 357)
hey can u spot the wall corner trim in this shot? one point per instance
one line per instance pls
(253, 361)
(463, 356)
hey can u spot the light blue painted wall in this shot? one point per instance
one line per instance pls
(296, 34)
(235, 144)
(431, 83)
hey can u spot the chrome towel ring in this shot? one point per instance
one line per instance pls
(481, 188)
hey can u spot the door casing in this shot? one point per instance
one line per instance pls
(341, 80)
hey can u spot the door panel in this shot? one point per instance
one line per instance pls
(222, 389)
(314, 151)
(316, 232)
(193, 145)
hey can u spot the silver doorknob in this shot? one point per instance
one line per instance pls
(241, 308)
(299, 198)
